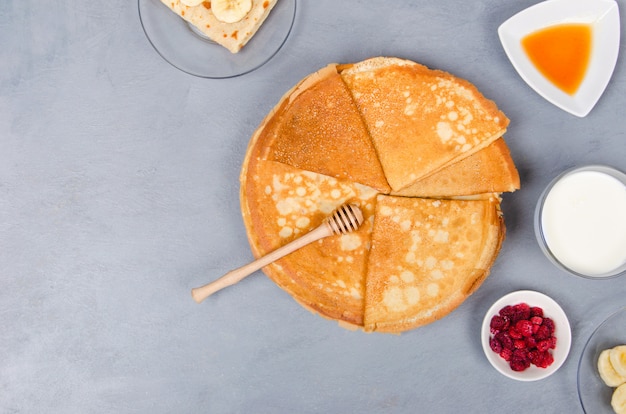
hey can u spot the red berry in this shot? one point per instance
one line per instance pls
(505, 339)
(525, 327)
(543, 345)
(519, 344)
(530, 342)
(498, 323)
(536, 320)
(495, 345)
(549, 323)
(552, 340)
(506, 354)
(515, 334)
(543, 333)
(536, 311)
(519, 364)
(507, 311)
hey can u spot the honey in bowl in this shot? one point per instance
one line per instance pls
(561, 53)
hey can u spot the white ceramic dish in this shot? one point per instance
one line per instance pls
(562, 331)
(594, 394)
(602, 15)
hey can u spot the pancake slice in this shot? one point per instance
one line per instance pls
(420, 120)
(427, 256)
(233, 36)
(281, 203)
(490, 170)
(317, 127)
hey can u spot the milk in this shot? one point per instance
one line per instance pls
(583, 221)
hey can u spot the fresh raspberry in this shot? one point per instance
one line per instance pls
(525, 327)
(507, 311)
(535, 357)
(520, 311)
(498, 323)
(542, 333)
(505, 339)
(549, 323)
(519, 364)
(506, 354)
(536, 311)
(548, 359)
(495, 345)
(515, 334)
(519, 344)
(544, 345)
(535, 328)
(530, 342)
(536, 320)
(552, 340)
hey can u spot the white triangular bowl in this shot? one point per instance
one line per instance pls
(602, 15)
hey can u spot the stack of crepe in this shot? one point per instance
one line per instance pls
(420, 151)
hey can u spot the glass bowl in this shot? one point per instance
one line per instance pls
(562, 332)
(594, 394)
(185, 48)
(598, 233)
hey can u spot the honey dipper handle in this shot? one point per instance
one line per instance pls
(201, 293)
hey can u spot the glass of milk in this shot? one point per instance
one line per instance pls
(580, 221)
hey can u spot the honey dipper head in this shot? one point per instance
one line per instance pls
(345, 219)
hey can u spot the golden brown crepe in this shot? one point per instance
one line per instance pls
(279, 204)
(431, 252)
(233, 36)
(490, 170)
(420, 120)
(427, 257)
(317, 127)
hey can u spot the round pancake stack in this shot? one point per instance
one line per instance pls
(420, 151)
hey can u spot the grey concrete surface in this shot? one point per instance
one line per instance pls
(119, 192)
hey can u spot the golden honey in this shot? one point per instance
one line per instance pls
(561, 53)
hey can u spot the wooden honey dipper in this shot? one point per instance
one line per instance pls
(345, 219)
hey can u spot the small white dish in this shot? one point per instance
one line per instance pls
(562, 332)
(602, 15)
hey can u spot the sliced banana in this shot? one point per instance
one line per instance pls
(191, 3)
(607, 372)
(618, 401)
(230, 11)
(617, 357)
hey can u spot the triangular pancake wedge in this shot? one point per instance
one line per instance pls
(490, 170)
(427, 256)
(420, 120)
(281, 203)
(233, 36)
(317, 127)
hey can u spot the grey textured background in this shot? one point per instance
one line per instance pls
(119, 192)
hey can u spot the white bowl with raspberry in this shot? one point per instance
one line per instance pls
(526, 335)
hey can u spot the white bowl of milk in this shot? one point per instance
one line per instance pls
(580, 221)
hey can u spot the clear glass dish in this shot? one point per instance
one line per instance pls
(538, 220)
(185, 48)
(594, 394)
